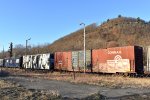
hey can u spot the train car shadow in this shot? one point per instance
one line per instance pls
(4, 73)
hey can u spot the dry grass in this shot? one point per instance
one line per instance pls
(101, 80)
(10, 91)
(95, 79)
(4, 84)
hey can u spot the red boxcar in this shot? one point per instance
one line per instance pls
(63, 61)
(128, 59)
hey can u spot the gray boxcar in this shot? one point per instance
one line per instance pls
(78, 60)
(13, 62)
(1, 63)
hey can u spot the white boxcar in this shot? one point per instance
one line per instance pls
(27, 61)
(34, 62)
(44, 61)
(39, 61)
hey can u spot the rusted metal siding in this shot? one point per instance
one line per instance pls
(99, 58)
(122, 59)
(68, 61)
(63, 61)
(57, 60)
(72, 60)
(118, 59)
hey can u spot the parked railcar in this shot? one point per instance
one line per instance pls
(128, 59)
(45, 61)
(78, 61)
(27, 62)
(74, 60)
(1, 62)
(38, 61)
(13, 62)
(63, 61)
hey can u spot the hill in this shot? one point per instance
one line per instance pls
(119, 31)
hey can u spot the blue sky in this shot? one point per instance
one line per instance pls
(47, 20)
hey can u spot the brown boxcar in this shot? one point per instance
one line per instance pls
(63, 61)
(74, 60)
(128, 59)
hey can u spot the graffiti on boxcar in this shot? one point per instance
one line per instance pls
(27, 61)
(44, 62)
(34, 62)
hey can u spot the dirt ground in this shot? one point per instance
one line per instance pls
(26, 87)
(13, 91)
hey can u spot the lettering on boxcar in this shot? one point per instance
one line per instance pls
(114, 52)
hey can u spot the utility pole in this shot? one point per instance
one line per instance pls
(84, 47)
(3, 52)
(10, 49)
(27, 45)
(3, 56)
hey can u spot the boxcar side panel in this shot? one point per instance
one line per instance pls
(27, 61)
(63, 61)
(78, 61)
(43, 61)
(58, 60)
(75, 60)
(112, 60)
(1, 63)
(12, 62)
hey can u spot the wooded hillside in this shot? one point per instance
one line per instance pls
(119, 31)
